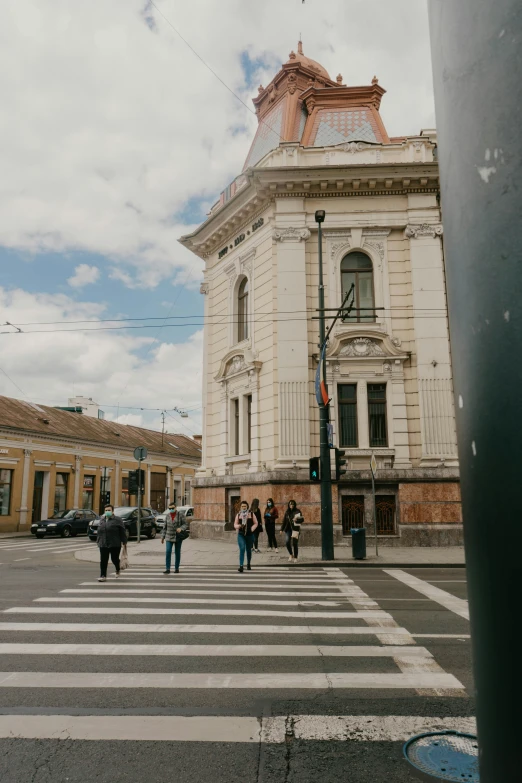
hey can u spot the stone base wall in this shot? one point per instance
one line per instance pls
(427, 502)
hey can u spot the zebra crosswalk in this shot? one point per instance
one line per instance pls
(143, 635)
(45, 546)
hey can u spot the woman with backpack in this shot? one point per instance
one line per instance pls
(254, 508)
(271, 514)
(245, 523)
(175, 532)
(291, 527)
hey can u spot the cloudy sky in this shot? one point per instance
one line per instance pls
(115, 139)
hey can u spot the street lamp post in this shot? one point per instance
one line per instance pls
(327, 541)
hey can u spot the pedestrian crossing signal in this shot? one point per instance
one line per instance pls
(314, 469)
(340, 470)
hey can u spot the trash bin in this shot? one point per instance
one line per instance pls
(358, 543)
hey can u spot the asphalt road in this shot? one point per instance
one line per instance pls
(272, 676)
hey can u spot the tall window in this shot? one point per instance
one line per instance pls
(60, 491)
(249, 423)
(188, 493)
(357, 270)
(242, 311)
(88, 492)
(235, 425)
(377, 414)
(347, 396)
(6, 480)
(177, 491)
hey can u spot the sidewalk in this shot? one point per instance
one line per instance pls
(202, 552)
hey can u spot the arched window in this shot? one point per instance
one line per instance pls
(357, 270)
(242, 311)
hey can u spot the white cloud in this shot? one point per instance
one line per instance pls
(84, 275)
(113, 124)
(121, 371)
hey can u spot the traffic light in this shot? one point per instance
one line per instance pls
(340, 470)
(134, 481)
(314, 469)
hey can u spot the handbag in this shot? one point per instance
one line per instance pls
(124, 559)
(183, 535)
(295, 533)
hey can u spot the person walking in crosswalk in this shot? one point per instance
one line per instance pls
(110, 538)
(254, 508)
(175, 531)
(291, 527)
(271, 514)
(245, 523)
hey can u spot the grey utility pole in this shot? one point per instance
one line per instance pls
(327, 539)
(476, 46)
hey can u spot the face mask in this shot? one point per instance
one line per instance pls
(269, 505)
(171, 508)
(108, 513)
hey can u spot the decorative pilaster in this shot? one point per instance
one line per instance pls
(116, 491)
(25, 487)
(77, 476)
(292, 336)
(362, 415)
(147, 486)
(431, 342)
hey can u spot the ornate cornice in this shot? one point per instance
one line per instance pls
(204, 288)
(423, 230)
(237, 362)
(290, 234)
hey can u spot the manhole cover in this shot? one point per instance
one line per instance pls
(446, 756)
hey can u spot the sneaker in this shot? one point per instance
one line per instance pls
(102, 579)
(276, 549)
(167, 572)
(240, 569)
(249, 567)
(176, 570)
(117, 574)
(290, 559)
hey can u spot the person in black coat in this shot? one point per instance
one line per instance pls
(291, 527)
(110, 538)
(271, 514)
(254, 508)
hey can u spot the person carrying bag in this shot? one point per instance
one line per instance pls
(291, 527)
(245, 523)
(110, 537)
(175, 532)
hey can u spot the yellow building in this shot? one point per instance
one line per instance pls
(52, 459)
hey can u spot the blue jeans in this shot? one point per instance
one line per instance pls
(245, 545)
(168, 554)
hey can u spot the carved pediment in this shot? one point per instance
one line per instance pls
(236, 362)
(361, 346)
(366, 344)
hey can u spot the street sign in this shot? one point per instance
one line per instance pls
(140, 452)
(373, 465)
(329, 430)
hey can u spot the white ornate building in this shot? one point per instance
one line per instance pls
(323, 145)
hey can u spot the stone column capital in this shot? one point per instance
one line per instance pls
(416, 231)
(290, 234)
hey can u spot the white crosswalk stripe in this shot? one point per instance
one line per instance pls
(384, 656)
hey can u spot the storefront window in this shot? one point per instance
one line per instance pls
(60, 491)
(6, 479)
(88, 492)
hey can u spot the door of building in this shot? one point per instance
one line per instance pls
(37, 496)
(157, 491)
(352, 512)
(233, 505)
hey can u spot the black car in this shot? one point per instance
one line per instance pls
(129, 515)
(71, 522)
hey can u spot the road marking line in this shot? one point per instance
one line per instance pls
(20, 559)
(441, 635)
(276, 581)
(252, 612)
(215, 650)
(326, 630)
(192, 591)
(239, 681)
(457, 605)
(173, 600)
(241, 729)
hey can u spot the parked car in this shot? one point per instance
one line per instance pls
(67, 523)
(129, 515)
(187, 511)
